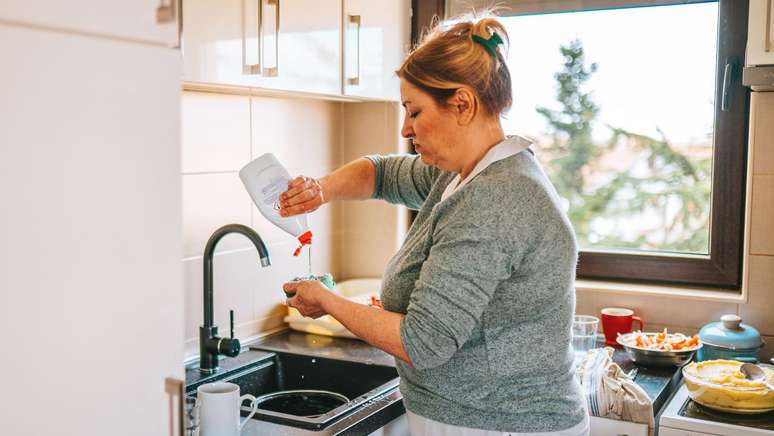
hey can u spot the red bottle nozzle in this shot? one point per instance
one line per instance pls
(304, 239)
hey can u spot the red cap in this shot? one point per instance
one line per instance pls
(304, 239)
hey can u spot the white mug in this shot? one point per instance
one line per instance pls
(219, 405)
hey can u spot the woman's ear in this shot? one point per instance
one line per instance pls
(464, 104)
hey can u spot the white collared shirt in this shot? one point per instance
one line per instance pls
(510, 146)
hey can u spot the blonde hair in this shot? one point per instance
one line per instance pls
(448, 58)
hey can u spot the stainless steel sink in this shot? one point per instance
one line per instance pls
(361, 383)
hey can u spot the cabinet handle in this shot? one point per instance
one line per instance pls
(355, 19)
(251, 69)
(175, 389)
(173, 11)
(179, 24)
(166, 12)
(274, 71)
(767, 42)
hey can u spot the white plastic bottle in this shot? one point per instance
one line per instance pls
(265, 179)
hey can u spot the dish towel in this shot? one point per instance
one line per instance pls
(610, 392)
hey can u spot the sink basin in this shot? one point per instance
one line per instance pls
(360, 383)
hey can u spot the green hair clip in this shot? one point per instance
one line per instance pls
(489, 44)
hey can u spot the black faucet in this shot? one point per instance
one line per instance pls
(210, 345)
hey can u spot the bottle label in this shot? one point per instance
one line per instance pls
(271, 192)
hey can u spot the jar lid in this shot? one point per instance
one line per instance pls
(730, 333)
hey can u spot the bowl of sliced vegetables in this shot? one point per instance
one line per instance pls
(660, 349)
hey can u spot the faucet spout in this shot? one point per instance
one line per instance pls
(210, 345)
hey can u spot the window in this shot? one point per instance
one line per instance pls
(636, 129)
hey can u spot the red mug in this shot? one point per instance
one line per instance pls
(617, 320)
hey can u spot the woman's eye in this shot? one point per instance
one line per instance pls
(413, 114)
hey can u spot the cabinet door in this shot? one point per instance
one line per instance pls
(292, 45)
(92, 278)
(375, 42)
(666, 431)
(760, 33)
(611, 427)
(153, 21)
(213, 39)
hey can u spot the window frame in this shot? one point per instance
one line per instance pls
(722, 268)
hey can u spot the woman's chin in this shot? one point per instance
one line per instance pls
(427, 159)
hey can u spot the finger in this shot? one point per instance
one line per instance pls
(290, 288)
(309, 195)
(296, 210)
(292, 302)
(293, 184)
(297, 181)
(297, 185)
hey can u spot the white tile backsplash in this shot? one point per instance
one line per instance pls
(761, 114)
(301, 133)
(209, 202)
(215, 132)
(656, 311)
(314, 137)
(762, 215)
(218, 141)
(759, 310)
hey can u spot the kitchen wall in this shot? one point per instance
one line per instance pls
(223, 132)
(690, 314)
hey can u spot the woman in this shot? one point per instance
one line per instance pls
(479, 299)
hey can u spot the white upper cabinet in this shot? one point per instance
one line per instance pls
(151, 21)
(760, 33)
(292, 45)
(375, 41)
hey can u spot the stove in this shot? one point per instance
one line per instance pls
(682, 416)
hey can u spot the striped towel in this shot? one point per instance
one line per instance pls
(609, 392)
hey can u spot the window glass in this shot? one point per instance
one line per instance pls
(621, 105)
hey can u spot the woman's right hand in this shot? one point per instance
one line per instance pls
(304, 195)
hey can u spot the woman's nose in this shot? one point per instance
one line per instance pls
(407, 131)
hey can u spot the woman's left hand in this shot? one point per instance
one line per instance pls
(309, 298)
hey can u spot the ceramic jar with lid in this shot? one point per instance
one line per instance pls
(729, 339)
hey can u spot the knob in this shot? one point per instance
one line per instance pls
(229, 347)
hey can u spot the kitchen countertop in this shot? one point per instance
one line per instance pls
(658, 383)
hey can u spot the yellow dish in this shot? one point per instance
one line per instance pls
(720, 385)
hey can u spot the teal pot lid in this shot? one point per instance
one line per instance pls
(730, 333)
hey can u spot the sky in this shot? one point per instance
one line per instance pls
(655, 68)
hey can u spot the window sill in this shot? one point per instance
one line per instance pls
(666, 291)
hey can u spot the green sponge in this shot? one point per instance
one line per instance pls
(326, 279)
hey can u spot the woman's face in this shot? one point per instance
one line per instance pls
(431, 127)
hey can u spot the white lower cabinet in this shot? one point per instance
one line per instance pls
(92, 296)
(611, 427)
(396, 427)
(665, 431)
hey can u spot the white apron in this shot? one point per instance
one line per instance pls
(421, 426)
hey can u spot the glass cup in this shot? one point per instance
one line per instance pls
(584, 334)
